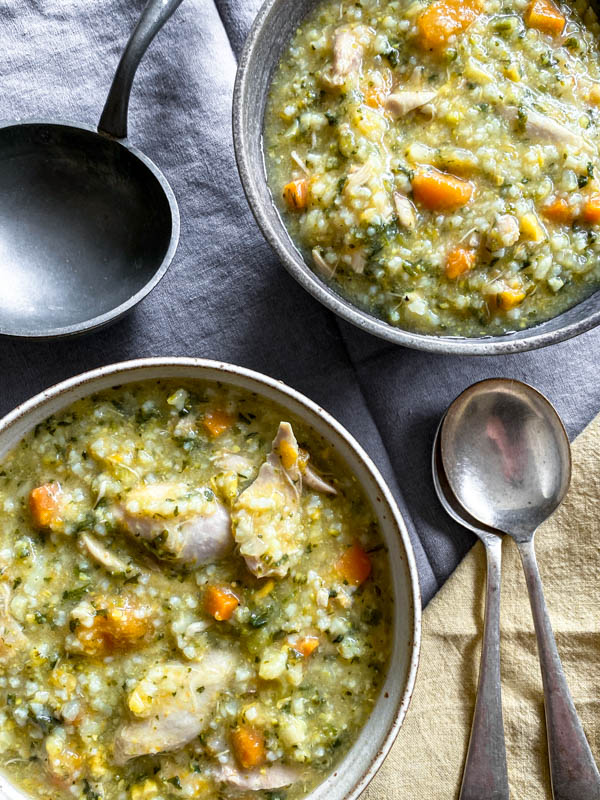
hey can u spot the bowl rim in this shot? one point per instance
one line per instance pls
(296, 265)
(118, 311)
(117, 369)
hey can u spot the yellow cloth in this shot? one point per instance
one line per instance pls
(427, 759)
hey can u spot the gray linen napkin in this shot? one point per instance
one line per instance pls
(225, 295)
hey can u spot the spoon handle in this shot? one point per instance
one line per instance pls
(114, 116)
(573, 770)
(485, 774)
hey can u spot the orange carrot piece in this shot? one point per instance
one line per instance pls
(460, 260)
(295, 194)
(220, 602)
(217, 422)
(445, 18)
(248, 746)
(375, 96)
(44, 504)
(509, 298)
(117, 626)
(591, 209)
(544, 16)
(559, 211)
(440, 191)
(354, 565)
(307, 645)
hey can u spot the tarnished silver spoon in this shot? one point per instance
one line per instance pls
(507, 459)
(485, 774)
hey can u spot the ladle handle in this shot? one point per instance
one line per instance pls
(573, 770)
(485, 774)
(114, 116)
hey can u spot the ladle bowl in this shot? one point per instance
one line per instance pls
(88, 223)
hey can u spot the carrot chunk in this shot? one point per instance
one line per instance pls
(220, 602)
(445, 18)
(460, 260)
(544, 16)
(248, 746)
(591, 209)
(375, 96)
(440, 191)
(295, 194)
(354, 565)
(217, 422)
(44, 505)
(559, 211)
(307, 645)
(509, 298)
(118, 625)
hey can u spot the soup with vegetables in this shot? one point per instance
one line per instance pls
(195, 600)
(437, 161)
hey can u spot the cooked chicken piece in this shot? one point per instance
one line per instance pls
(540, 126)
(311, 478)
(504, 233)
(173, 703)
(347, 54)
(400, 103)
(324, 269)
(358, 261)
(234, 462)
(12, 638)
(103, 556)
(178, 523)
(359, 175)
(405, 211)
(266, 515)
(257, 780)
(314, 481)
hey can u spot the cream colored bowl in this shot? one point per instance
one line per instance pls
(377, 736)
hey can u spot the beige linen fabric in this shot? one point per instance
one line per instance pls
(427, 758)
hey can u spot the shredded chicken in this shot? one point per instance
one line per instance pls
(540, 126)
(405, 211)
(357, 176)
(266, 779)
(234, 462)
(325, 269)
(178, 523)
(347, 54)
(12, 638)
(400, 103)
(504, 233)
(106, 559)
(172, 705)
(265, 516)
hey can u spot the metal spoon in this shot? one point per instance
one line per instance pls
(88, 224)
(485, 773)
(507, 459)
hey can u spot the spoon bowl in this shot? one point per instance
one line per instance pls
(446, 497)
(506, 455)
(88, 223)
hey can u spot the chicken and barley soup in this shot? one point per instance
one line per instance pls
(196, 600)
(437, 161)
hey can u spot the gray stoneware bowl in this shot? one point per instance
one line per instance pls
(362, 761)
(270, 35)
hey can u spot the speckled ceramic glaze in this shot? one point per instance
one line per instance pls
(270, 36)
(362, 761)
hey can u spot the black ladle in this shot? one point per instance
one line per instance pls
(88, 224)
